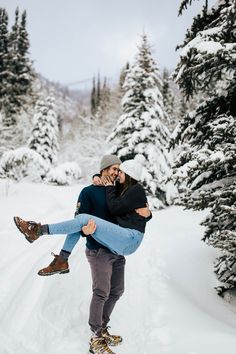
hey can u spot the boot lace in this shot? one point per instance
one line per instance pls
(112, 338)
(33, 226)
(55, 259)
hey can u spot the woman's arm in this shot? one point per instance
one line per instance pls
(145, 212)
(132, 199)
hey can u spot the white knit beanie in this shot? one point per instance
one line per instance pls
(134, 167)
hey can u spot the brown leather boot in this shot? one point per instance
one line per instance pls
(58, 266)
(30, 229)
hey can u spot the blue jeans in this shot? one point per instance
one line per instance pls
(119, 240)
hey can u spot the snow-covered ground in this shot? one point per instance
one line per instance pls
(169, 305)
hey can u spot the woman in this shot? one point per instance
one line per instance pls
(122, 239)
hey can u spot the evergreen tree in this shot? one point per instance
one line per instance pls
(183, 107)
(104, 100)
(208, 66)
(98, 96)
(93, 98)
(18, 70)
(100, 99)
(10, 104)
(169, 101)
(20, 65)
(140, 131)
(44, 136)
(4, 75)
(123, 73)
(25, 72)
(184, 4)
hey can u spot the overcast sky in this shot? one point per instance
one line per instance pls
(71, 40)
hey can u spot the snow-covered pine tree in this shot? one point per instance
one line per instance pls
(93, 98)
(98, 91)
(44, 136)
(208, 66)
(123, 73)
(105, 94)
(20, 66)
(10, 104)
(169, 101)
(25, 72)
(140, 130)
(184, 4)
(16, 68)
(100, 100)
(104, 102)
(4, 57)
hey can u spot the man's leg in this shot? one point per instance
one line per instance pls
(117, 288)
(101, 263)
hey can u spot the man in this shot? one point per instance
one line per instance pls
(107, 268)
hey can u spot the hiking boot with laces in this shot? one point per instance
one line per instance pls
(98, 345)
(58, 266)
(30, 229)
(111, 339)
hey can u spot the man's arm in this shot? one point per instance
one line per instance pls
(84, 206)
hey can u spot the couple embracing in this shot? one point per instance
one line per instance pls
(112, 214)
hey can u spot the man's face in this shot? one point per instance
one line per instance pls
(111, 172)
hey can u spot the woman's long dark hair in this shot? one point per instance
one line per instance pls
(122, 188)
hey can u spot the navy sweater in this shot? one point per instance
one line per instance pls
(92, 200)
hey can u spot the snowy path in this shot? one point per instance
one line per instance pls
(169, 305)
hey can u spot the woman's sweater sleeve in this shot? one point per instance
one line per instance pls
(116, 205)
(134, 198)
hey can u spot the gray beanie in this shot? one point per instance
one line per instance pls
(109, 160)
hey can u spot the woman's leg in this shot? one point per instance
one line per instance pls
(70, 242)
(118, 239)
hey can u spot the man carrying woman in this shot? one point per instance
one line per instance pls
(116, 238)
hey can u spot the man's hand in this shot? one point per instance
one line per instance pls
(145, 212)
(90, 228)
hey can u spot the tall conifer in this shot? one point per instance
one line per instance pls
(93, 98)
(140, 131)
(44, 136)
(208, 66)
(4, 60)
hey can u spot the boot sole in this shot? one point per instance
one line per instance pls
(56, 272)
(92, 352)
(18, 227)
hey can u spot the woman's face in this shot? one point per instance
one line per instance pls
(121, 176)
